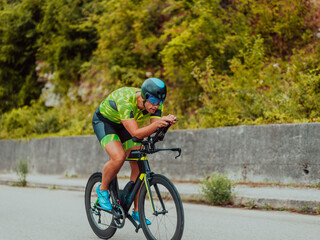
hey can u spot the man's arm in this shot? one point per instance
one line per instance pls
(133, 128)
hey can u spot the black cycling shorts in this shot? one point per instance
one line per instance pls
(108, 131)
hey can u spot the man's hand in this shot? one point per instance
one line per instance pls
(165, 121)
(172, 119)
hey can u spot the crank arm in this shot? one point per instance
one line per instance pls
(102, 209)
(137, 226)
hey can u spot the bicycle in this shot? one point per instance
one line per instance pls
(159, 201)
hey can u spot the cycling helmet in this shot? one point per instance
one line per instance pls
(154, 87)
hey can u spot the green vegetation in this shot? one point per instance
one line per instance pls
(226, 62)
(318, 209)
(37, 120)
(22, 171)
(70, 176)
(250, 205)
(282, 209)
(267, 207)
(218, 189)
(53, 187)
(305, 209)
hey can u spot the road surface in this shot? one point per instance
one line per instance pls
(37, 214)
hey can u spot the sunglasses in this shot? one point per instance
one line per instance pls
(155, 101)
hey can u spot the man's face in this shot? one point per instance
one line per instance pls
(151, 108)
(152, 104)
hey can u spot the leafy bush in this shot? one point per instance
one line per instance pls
(22, 171)
(37, 120)
(218, 189)
(257, 93)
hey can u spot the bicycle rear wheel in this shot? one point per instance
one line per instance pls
(167, 222)
(100, 221)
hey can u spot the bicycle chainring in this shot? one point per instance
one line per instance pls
(118, 216)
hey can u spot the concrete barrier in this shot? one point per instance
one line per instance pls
(286, 153)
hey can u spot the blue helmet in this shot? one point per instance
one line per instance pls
(154, 87)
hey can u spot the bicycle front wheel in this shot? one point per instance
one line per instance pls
(167, 216)
(100, 221)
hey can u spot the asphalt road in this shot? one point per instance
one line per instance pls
(34, 213)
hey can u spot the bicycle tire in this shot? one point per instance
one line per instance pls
(168, 225)
(104, 229)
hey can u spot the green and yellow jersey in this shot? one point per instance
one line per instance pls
(122, 104)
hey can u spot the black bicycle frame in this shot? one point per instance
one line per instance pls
(144, 169)
(140, 156)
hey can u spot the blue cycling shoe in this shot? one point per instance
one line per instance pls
(103, 197)
(135, 216)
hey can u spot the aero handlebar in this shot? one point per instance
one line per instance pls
(149, 143)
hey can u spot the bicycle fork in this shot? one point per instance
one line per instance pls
(156, 213)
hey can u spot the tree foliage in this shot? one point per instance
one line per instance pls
(226, 62)
(18, 36)
(67, 39)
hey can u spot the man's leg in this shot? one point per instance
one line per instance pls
(133, 177)
(116, 153)
(134, 173)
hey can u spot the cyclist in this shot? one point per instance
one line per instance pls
(115, 122)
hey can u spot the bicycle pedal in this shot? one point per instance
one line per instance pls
(95, 212)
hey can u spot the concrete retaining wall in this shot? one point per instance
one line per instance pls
(287, 153)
